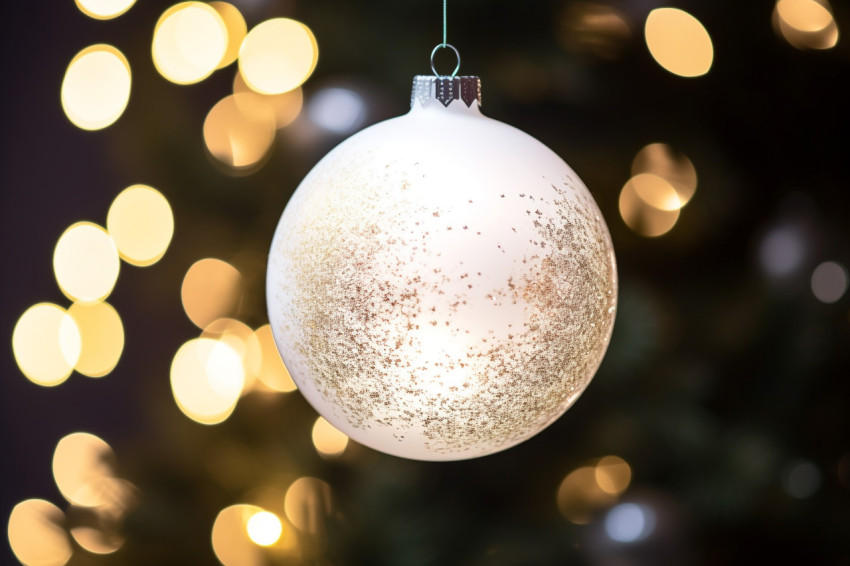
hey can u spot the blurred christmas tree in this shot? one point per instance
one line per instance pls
(717, 428)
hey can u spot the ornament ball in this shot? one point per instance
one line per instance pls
(442, 285)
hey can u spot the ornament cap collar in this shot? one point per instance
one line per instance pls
(445, 90)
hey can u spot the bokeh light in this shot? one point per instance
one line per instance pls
(613, 475)
(782, 251)
(102, 337)
(230, 540)
(338, 110)
(207, 377)
(674, 167)
(801, 479)
(85, 262)
(722, 350)
(805, 15)
(37, 534)
(239, 131)
(189, 42)
(243, 341)
(580, 496)
(826, 39)
(327, 439)
(81, 463)
(114, 497)
(104, 9)
(806, 24)
(643, 218)
(656, 192)
(307, 503)
(97, 541)
(273, 373)
(264, 528)
(211, 289)
(663, 181)
(593, 27)
(286, 106)
(96, 87)
(678, 42)
(236, 30)
(46, 343)
(629, 522)
(141, 224)
(829, 282)
(278, 55)
(225, 371)
(266, 525)
(97, 528)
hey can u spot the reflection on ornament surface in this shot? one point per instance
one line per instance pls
(442, 285)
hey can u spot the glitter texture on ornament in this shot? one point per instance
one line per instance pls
(442, 285)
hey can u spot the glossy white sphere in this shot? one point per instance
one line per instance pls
(441, 285)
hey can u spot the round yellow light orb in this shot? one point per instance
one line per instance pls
(805, 15)
(230, 538)
(679, 42)
(141, 223)
(327, 439)
(236, 30)
(286, 106)
(102, 337)
(264, 528)
(643, 217)
(104, 9)
(238, 135)
(47, 344)
(211, 289)
(189, 42)
(307, 503)
(85, 262)
(37, 533)
(80, 460)
(207, 377)
(273, 374)
(441, 285)
(96, 87)
(662, 160)
(278, 55)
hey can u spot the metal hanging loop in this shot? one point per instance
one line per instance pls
(434, 52)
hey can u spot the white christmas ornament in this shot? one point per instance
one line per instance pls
(441, 285)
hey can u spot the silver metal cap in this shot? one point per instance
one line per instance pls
(446, 90)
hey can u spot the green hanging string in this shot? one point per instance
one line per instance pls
(445, 45)
(444, 21)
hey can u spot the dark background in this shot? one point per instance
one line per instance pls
(719, 377)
